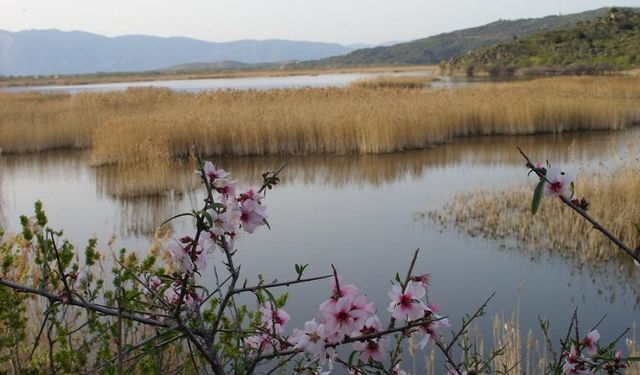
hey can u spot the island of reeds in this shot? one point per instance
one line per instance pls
(364, 118)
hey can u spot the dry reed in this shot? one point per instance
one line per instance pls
(393, 82)
(507, 214)
(143, 124)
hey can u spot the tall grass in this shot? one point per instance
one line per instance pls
(393, 82)
(144, 124)
(506, 213)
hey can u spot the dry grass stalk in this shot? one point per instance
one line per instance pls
(393, 82)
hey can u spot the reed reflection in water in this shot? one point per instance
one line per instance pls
(148, 193)
(337, 209)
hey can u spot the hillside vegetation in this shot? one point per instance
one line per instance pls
(609, 42)
(442, 47)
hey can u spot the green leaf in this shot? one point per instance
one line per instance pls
(537, 196)
(177, 216)
(351, 357)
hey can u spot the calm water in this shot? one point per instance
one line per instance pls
(243, 83)
(361, 213)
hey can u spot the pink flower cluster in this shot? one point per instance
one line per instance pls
(190, 300)
(574, 363)
(231, 213)
(190, 256)
(239, 210)
(272, 323)
(348, 315)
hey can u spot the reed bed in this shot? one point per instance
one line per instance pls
(143, 124)
(393, 82)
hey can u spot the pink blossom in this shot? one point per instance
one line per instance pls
(190, 300)
(369, 349)
(250, 194)
(572, 364)
(154, 282)
(618, 355)
(430, 330)
(343, 319)
(188, 259)
(228, 189)
(171, 296)
(397, 370)
(211, 173)
(591, 342)
(312, 339)
(269, 317)
(558, 183)
(407, 304)
(181, 256)
(252, 215)
(371, 325)
(424, 280)
(260, 343)
(455, 372)
(348, 290)
(224, 222)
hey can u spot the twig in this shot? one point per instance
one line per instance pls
(91, 306)
(274, 285)
(479, 311)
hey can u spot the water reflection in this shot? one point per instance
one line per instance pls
(355, 211)
(146, 194)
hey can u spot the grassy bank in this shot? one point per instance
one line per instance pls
(143, 124)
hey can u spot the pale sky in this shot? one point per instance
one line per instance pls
(341, 21)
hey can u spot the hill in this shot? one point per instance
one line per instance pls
(47, 52)
(442, 47)
(611, 41)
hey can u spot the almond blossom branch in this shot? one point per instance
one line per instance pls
(635, 254)
(374, 335)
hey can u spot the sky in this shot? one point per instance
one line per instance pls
(339, 21)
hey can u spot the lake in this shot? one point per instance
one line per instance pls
(261, 83)
(242, 83)
(364, 214)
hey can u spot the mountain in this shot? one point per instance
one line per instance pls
(47, 52)
(611, 41)
(442, 47)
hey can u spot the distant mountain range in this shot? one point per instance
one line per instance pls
(611, 41)
(442, 47)
(47, 52)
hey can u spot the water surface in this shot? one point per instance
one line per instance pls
(362, 213)
(240, 83)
